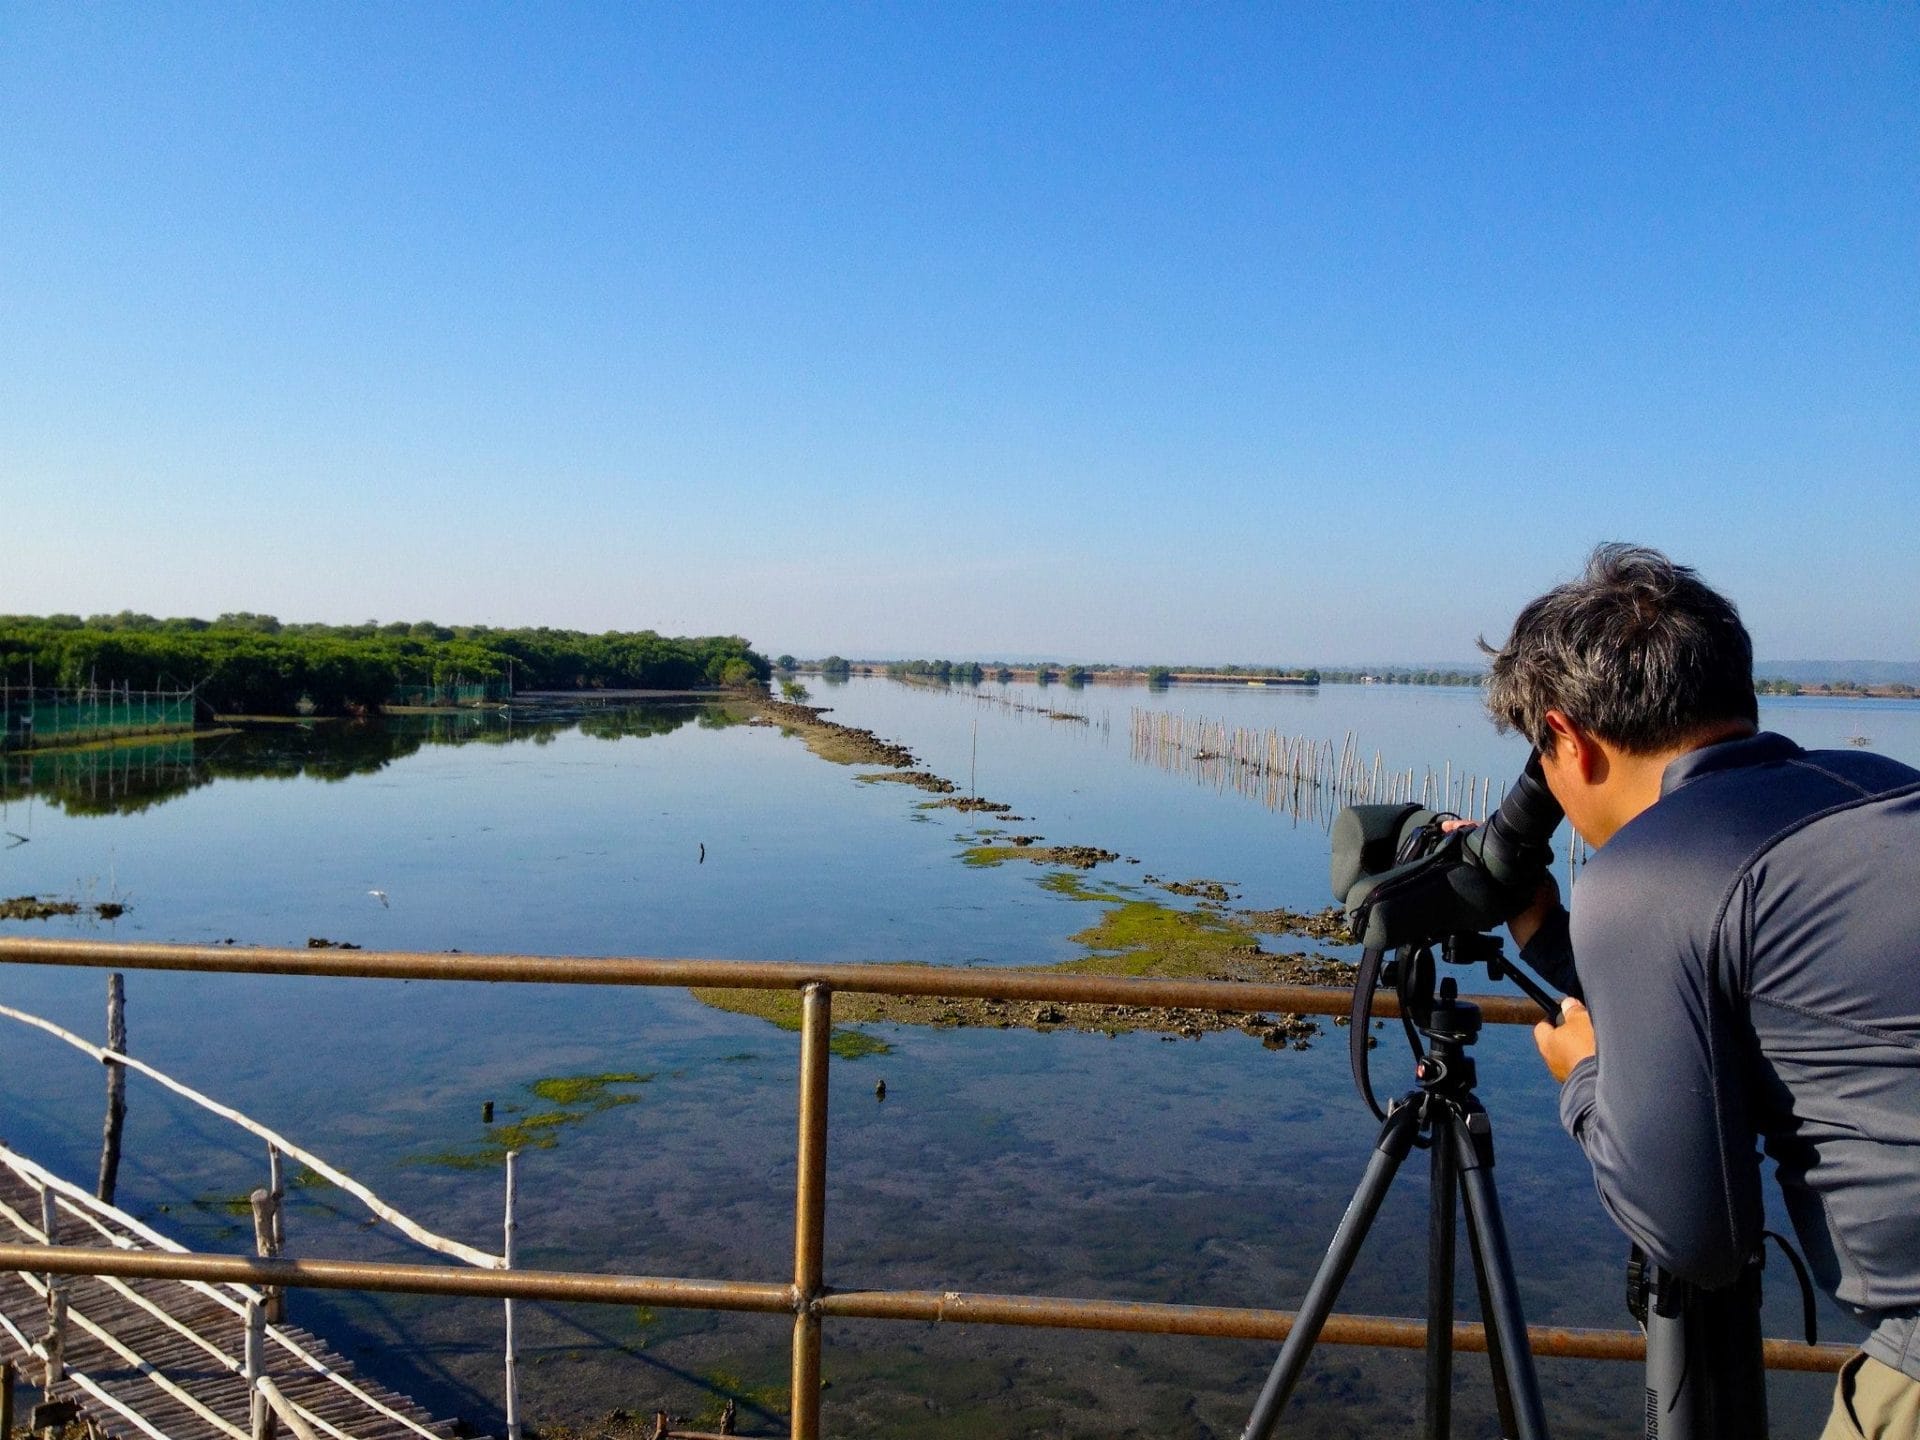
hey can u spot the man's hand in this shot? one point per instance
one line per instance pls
(1566, 1046)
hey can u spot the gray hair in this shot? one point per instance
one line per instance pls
(1639, 651)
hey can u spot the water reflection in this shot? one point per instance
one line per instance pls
(129, 779)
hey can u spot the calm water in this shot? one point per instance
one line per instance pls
(1204, 1171)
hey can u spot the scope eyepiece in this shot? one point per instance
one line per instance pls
(1513, 846)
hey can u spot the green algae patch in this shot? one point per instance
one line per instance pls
(779, 1007)
(595, 1092)
(782, 1008)
(723, 1386)
(1073, 887)
(1144, 937)
(241, 1205)
(576, 1097)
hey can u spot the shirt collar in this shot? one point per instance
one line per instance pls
(1764, 748)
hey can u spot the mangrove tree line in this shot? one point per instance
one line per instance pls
(247, 663)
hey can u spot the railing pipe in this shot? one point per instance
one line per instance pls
(314, 1274)
(953, 1307)
(975, 983)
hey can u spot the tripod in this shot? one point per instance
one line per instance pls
(1442, 1112)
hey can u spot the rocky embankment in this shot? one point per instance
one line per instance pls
(830, 740)
(1134, 936)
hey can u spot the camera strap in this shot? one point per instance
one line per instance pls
(1809, 1321)
(1360, 1025)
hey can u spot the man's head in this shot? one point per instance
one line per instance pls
(1613, 674)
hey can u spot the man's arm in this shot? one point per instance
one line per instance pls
(1540, 934)
(1661, 1110)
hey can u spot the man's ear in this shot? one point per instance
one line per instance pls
(1575, 747)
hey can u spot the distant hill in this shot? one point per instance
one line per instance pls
(1828, 672)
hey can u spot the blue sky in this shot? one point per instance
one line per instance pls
(1266, 333)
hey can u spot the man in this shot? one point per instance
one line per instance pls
(1746, 937)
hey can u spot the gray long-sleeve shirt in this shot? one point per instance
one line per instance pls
(1750, 949)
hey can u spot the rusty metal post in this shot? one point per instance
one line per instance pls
(810, 1209)
(509, 1253)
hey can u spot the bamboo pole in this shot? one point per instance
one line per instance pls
(116, 1087)
(277, 1182)
(254, 1368)
(264, 1203)
(55, 1341)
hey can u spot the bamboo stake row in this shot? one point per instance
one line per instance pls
(1307, 777)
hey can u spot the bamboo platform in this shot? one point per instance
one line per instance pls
(148, 1359)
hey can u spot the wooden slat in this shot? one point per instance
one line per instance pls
(184, 1363)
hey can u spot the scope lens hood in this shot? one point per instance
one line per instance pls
(1364, 843)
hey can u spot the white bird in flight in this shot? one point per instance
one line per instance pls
(381, 896)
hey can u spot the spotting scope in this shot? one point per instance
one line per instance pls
(1404, 881)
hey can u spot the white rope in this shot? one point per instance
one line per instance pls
(85, 1201)
(414, 1231)
(37, 1174)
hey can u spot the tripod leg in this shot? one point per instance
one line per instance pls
(1502, 1392)
(1505, 1321)
(1440, 1261)
(1396, 1139)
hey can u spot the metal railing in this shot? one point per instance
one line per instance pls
(806, 1297)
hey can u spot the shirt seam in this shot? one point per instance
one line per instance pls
(1859, 1027)
(1833, 775)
